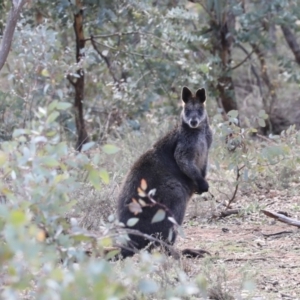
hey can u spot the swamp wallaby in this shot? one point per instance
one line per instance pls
(176, 167)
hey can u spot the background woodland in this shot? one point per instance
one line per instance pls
(87, 86)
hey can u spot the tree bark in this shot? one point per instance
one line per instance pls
(266, 78)
(223, 44)
(82, 136)
(10, 29)
(292, 42)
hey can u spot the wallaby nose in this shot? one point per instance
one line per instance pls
(193, 123)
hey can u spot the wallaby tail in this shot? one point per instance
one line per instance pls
(194, 253)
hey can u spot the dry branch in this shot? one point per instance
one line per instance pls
(242, 62)
(106, 60)
(245, 259)
(229, 212)
(238, 175)
(281, 218)
(277, 234)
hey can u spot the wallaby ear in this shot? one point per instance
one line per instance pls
(200, 95)
(186, 94)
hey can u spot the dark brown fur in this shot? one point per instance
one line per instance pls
(176, 167)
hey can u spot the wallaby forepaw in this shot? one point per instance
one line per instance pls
(202, 187)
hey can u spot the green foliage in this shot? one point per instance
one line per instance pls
(141, 69)
(245, 160)
(38, 177)
(39, 245)
(146, 51)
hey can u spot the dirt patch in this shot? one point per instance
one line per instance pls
(252, 244)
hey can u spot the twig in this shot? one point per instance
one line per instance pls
(276, 233)
(239, 64)
(130, 52)
(238, 175)
(119, 34)
(244, 259)
(106, 60)
(282, 218)
(265, 138)
(227, 213)
(170, 248)
(253, 70)
(71, 80)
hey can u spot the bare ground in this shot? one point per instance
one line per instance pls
(250, 245)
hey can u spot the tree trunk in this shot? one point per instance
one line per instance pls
(266, 79)
(222, 48)
(82, 136)
(10, 29)
(292, 42)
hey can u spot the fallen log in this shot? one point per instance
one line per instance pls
(281, 218)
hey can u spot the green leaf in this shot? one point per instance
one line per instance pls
(18, 132)
(180, 231)
(52, 105)
(17, 218)
(48, 161)
(87, 146)
(3, 158)
(61, 148)
(204, 68)
(135, 208)
(81, 237)
(52, 117)
(159, 216)
(96, 159)
(94, 178)
(110, 149)
(132, 221)
(261, 113)
(233, 113)
(104, 176)
(261, 122)
(45, 73)
(170, 235)
(63, 105)
(105, 242)
(112, 254)
(148, 286)
(59, 93)
(171, 219)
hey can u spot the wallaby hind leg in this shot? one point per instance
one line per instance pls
(146, 231)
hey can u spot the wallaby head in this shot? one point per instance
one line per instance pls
(193, 113)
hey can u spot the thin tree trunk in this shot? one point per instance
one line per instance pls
(225, 82)
(10, 29)
(265, 76)
(82, 136)
(292, 42)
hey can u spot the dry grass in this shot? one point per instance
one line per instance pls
(244, 264)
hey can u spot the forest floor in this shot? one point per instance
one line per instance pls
(248, 249)
(253, 256)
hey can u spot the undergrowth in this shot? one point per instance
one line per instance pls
(59, 205)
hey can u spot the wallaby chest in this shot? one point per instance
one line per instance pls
(200, 151)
